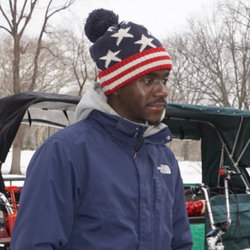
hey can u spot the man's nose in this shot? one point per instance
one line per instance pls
(160, 89)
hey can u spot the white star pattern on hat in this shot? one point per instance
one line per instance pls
(112, 28)
(125, 22)
(145, 41)
(121, 34)
(111, 56)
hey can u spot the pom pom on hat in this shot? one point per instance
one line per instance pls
(123, 52)
(98, 22)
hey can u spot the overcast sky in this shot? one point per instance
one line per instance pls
(158, 16)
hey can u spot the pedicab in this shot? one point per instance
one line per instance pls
(225, 162)
(222, 220)
(29, 108)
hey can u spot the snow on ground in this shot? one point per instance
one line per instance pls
(190, 170)
(25, 159)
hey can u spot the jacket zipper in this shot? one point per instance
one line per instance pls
(137, 148)
(138, 145)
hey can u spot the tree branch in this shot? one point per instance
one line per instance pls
(4, 28)
(27, 19)
(6, 18)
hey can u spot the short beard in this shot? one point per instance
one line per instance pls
(154, 123)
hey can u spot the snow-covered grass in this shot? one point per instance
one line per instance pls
(190, 170)
(25, 159)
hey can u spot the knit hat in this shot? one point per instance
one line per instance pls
(122, 51)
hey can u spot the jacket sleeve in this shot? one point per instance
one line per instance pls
(48, 200)
(181, 228)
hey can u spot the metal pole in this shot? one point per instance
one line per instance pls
(227, 202)
(237, 135)
(209, 210)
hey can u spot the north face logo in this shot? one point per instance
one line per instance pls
(164, 169)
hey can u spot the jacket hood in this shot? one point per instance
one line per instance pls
(94, 99)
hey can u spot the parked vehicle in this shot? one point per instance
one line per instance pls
(223, 217)
(225, 149)
(29, 108)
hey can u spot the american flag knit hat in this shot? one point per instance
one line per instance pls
(122, 51)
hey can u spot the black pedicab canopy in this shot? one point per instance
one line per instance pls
(32, 107)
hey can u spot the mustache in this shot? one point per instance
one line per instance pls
(158, 101)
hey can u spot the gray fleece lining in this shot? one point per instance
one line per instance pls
(94, 99)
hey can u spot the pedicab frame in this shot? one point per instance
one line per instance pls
(225, 144)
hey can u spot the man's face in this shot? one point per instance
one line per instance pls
(144, 99)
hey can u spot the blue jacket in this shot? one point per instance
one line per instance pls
(99, 184)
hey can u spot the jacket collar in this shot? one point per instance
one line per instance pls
(118, 126)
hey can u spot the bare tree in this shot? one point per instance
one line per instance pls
(73, 54)
(50, 73)
(184, 85)
(5, 66)
(213, 58)
(236, 16)
(17, 16)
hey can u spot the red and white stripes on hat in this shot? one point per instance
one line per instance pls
(134, 67)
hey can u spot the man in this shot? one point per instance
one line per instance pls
(109, 181)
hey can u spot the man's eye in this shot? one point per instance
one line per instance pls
(148, 80)
(164, 81)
